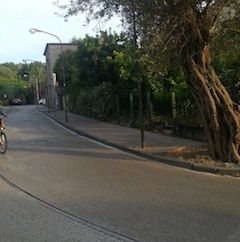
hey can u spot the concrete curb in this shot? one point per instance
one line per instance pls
(166, 160)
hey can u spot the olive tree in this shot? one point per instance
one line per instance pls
(187, 27)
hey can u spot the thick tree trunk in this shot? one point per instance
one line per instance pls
(221, 117)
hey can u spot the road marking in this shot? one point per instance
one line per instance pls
(137, 156)
(92, 140)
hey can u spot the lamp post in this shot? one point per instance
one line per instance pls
(33, 31)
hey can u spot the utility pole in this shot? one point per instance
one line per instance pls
(140, 96)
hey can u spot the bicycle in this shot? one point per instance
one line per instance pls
(3, 138)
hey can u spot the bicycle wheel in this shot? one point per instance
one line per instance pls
(3, 143)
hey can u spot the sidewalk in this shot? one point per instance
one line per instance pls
(159, 147)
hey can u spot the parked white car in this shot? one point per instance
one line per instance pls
(42, 101)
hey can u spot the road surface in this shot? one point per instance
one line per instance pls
(128, 198)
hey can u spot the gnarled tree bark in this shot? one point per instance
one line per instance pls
(220, 115)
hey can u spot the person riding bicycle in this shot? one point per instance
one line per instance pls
(3, 138)
(2, 114)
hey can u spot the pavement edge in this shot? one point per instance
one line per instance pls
(166, 160)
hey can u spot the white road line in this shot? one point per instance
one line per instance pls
(92, 140)
(139, 157)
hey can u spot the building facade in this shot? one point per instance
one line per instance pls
(52, 52)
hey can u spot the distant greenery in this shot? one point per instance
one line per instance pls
(15, 81)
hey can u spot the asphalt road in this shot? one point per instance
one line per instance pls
(71, 180)
(24, 218)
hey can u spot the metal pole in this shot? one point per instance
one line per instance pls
(140, 97)
(64, 84)
(33, 31)
(141, 114)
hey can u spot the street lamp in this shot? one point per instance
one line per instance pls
(33, 31)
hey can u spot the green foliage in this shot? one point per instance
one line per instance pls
(98, 70)
(10, 89)
(15, 82)
(160, 40)
(6, 73)
(95, 102)
(106, 66)
(226, 58)
(227, 67)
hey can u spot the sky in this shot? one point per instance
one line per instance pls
(18, 16)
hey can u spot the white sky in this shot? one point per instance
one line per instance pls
(18, 16)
